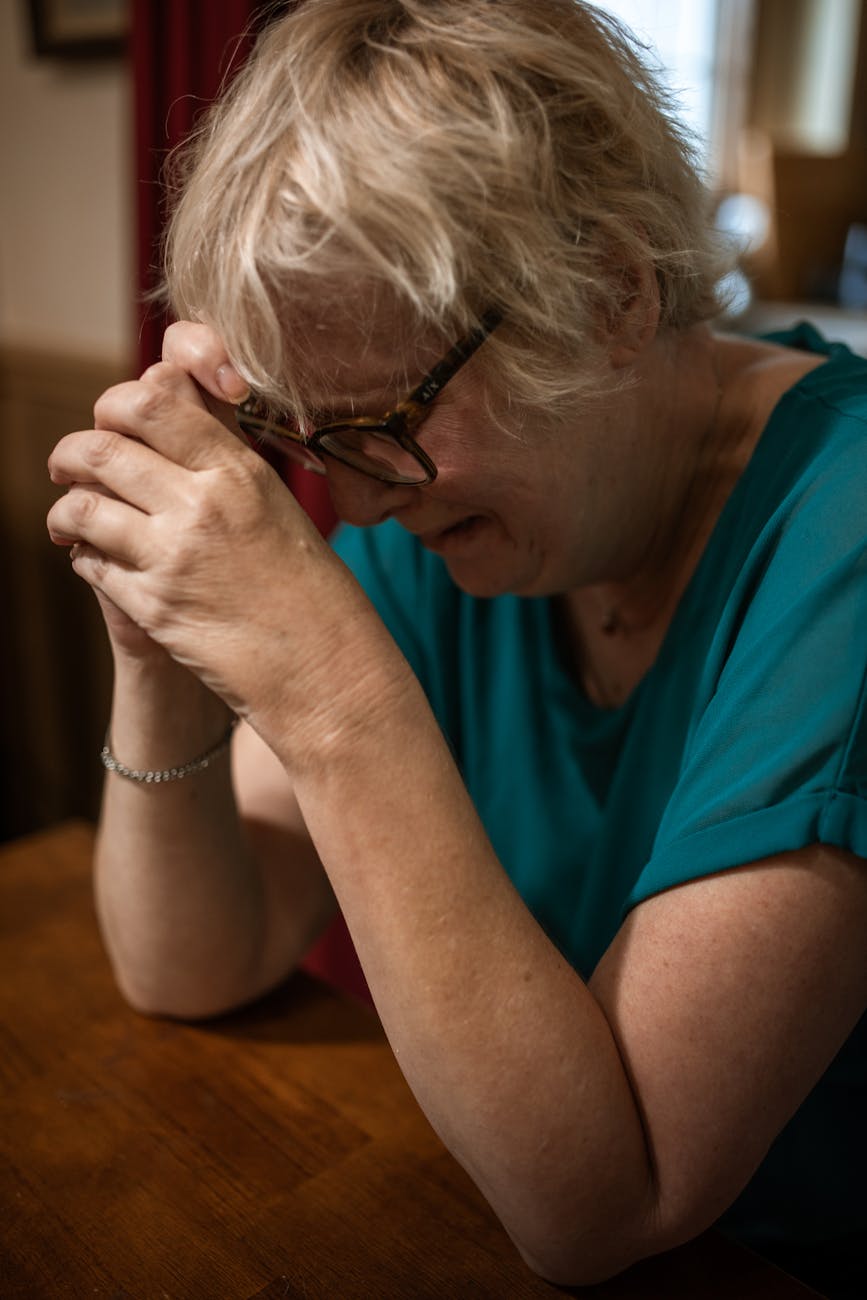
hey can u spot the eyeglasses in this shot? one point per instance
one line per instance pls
(383, 448)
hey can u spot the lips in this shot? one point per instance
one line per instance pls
(455, 535)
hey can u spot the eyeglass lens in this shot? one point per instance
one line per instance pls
(374, 451)
(261, 436)
(369, 450)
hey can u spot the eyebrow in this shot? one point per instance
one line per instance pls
(426, 387)
(376, 401)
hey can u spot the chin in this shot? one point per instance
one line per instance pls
(485, 582)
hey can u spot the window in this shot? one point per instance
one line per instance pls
(683, 36)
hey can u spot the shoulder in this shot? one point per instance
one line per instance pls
(804, 486)
(817, 453)
(797, 365)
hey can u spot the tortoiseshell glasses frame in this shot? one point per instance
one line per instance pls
(383, 447)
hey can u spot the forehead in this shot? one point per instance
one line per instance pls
(351, 352)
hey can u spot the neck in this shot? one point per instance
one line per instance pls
(722, 393)
(615, 627)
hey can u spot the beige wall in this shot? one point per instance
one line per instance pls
(66, 243)
(66, 332)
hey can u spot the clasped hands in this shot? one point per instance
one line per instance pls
(191, 542)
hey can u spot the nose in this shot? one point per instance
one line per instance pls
(361, 500)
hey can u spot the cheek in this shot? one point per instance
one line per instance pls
(454, 441)
(472, 455)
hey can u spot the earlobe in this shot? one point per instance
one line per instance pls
(636, 322)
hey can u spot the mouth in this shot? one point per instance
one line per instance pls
(455, 536)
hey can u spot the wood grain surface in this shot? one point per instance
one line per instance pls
(276, 1152)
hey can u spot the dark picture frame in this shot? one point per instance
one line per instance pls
(79, 29)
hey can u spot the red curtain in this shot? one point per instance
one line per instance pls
(183, 52)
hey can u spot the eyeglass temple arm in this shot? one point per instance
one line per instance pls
(452, 362)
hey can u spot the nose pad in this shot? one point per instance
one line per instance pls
(361, 500)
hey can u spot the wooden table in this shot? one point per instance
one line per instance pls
(276, 1152)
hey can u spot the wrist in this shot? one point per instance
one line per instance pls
(177, 772)
(162, 715)
(361, 717)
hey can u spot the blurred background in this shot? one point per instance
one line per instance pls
(93, 92)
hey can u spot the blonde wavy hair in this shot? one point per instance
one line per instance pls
(446, 156)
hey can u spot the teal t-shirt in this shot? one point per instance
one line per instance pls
(748, 737)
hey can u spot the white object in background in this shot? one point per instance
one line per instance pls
(683, 35)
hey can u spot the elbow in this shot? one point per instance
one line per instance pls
(160, 1002)
(570, 1254)
(570, 1265)
(149, 1004)
(585, 1258)
(166, 990)
(584, 1263)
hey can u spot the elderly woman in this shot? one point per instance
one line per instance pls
(570, 721)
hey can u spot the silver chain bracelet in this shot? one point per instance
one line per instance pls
(113, 764)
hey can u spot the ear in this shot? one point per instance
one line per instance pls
(635, 321)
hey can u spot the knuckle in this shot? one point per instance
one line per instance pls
(107, 402)
(174, 331)
(147, 403)
(58, 454)
(250, 468)
(190, 343)
(153, 373)
(56, 516)
(206, 512)
(164, 374)
(82, 505)
(98, 564)
(170, 379)
(148, 610)
(239, 487)
(221, 500)
(152, 612)
(133, 401)
(100, 448)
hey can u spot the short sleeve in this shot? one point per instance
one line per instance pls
(777, 757)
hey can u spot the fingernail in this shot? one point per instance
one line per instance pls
(232, 384)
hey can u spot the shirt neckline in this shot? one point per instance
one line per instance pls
(765, 452)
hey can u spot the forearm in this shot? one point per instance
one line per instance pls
(178, 894)
(506, 1049)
